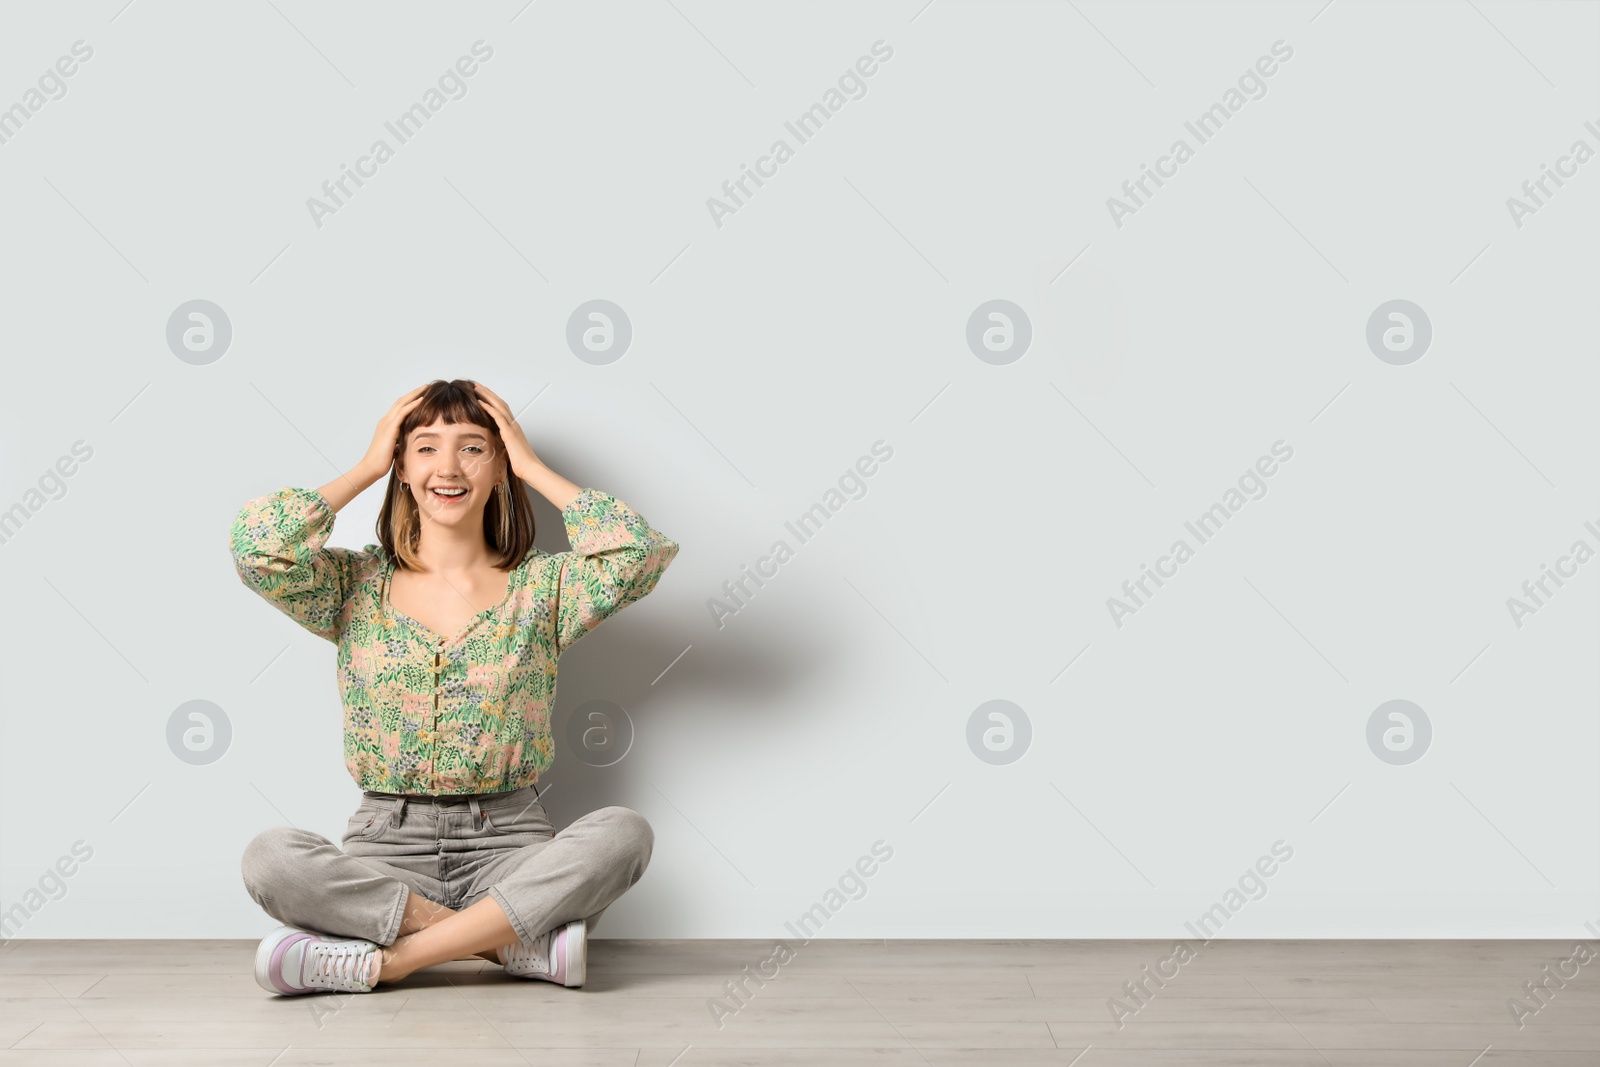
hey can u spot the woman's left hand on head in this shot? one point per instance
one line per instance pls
(519, 453)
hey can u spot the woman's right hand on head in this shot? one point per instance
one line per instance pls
(381, 454)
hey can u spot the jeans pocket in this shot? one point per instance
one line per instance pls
(517, 814)
(367, 823)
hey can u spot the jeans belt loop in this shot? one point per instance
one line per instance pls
(477, 812)
(399, 810)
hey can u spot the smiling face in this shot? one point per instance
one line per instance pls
(453, 456)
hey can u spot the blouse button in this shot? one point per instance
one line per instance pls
(439, 647)
(438, 689)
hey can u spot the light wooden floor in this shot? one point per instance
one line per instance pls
(889, 1004)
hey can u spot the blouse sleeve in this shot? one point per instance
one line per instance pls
(617, 557)
(278, 550)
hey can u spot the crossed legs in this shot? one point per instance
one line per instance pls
(431, 933)
(304, 880)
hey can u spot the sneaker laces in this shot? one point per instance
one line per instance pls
(535, 953)
(339, 965)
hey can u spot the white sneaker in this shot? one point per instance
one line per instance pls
(558, 955)
(291, 960)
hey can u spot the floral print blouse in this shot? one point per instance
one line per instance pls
(428, 713)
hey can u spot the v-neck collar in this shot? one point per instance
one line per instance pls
(387, 605)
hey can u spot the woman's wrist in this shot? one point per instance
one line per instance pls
(550, 485)
(366, 477)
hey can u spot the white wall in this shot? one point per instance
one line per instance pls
(831, 311)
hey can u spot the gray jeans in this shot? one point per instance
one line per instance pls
(451, 850)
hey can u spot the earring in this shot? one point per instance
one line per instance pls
(504, 489)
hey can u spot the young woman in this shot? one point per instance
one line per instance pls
(448, 633)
